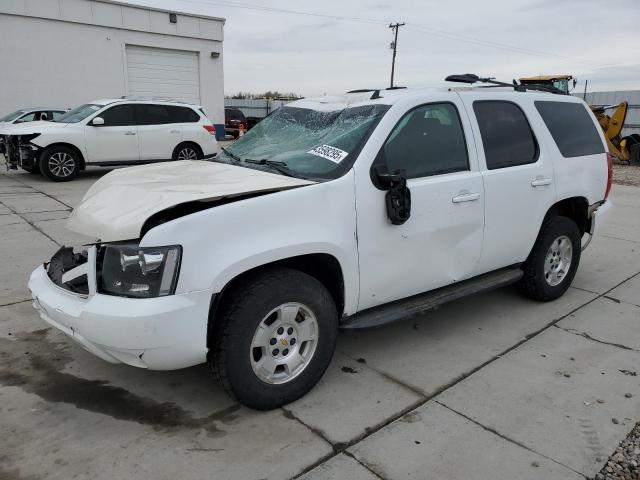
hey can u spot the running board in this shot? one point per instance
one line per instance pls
(394, 311)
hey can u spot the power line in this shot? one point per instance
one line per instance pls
(413, 27)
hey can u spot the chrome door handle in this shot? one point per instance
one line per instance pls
(129, 133)
(465, 197)
(541, 182)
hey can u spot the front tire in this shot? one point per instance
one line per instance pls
(59, 163)
(274, 336)
(554, 260)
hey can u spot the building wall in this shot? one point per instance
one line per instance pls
(77, 52)
(632, 122)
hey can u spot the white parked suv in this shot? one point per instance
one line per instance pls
(110, 133)
(346, 211)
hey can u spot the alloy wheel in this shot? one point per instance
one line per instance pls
(284, 343)
(557, 262)
(187, 153)
(61, 164)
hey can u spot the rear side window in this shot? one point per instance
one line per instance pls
(182, 114)
(148, 114)
(427, 141)
(571, 127)
(506, 134)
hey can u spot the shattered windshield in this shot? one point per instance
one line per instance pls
(78, 113)
(307, 143)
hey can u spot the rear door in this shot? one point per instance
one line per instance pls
(158, 130)
(518, 176)
(442, 240)
(117, 139)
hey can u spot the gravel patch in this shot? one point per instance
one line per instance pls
(626, 175)
(623, 464)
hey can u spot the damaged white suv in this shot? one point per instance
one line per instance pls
(345, 211)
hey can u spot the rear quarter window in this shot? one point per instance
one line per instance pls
(571, 127)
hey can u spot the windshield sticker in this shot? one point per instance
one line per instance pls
(330, 153)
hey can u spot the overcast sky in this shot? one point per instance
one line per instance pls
(598, 40)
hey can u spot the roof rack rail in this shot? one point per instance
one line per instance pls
(518, 87)
(153, 99)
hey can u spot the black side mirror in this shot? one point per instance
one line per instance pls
(398, 197)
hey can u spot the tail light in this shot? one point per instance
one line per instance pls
(609, 175)
(210, 128)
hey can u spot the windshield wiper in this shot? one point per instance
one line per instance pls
(232, 155)
(280, 167)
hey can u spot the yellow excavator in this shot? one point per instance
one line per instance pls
(625, 149)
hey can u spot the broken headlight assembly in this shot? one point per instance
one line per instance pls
(128, 270)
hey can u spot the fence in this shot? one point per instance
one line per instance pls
(255, 107)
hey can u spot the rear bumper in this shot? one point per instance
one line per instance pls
(599, 214)
(162, 333)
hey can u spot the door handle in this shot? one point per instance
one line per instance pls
(129, 133)
(175, 131)
(465, 197)
(541, 182)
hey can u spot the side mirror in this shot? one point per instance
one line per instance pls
(97, 122)
(398, 196)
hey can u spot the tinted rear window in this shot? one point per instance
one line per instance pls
(150, 114)
(506, 134)
(571, 127)
(234, 115)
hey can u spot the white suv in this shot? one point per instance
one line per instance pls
(346, 211)
(111, 133)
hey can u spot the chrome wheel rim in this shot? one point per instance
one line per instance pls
(558, 260)
(284, 343)
(61, 164)
(187, 154)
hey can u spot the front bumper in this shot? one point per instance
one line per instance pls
(18, 154)
(163, 333)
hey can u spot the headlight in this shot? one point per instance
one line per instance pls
(142, 272)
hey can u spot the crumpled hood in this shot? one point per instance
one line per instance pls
(23, 128)
(117, 206)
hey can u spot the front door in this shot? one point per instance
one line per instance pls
(441, 242)
(117, 139)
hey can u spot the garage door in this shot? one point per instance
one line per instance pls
(163, 73)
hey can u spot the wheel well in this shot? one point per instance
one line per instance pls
(575, 208)
(175, 150)
(323, 267)
(72, 147)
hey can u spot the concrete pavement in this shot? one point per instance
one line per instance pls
(493, 386)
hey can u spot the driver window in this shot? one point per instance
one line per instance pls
(428, 140)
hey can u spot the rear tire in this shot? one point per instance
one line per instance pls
(273, 337)
(187, 151)
(59, 163)
(553, 261)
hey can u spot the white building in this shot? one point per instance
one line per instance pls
(62, 53)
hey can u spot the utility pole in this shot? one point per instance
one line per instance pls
(394, 45)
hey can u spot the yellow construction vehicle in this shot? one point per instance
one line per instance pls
(553, 82)
(625, 149)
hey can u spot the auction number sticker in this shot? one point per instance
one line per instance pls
(330, 153)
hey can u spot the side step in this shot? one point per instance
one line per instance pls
(391, 312)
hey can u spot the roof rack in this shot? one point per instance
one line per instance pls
(518, 87)
(376, 91)
(154, 99)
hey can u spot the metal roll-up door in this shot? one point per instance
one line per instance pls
(163, 73)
